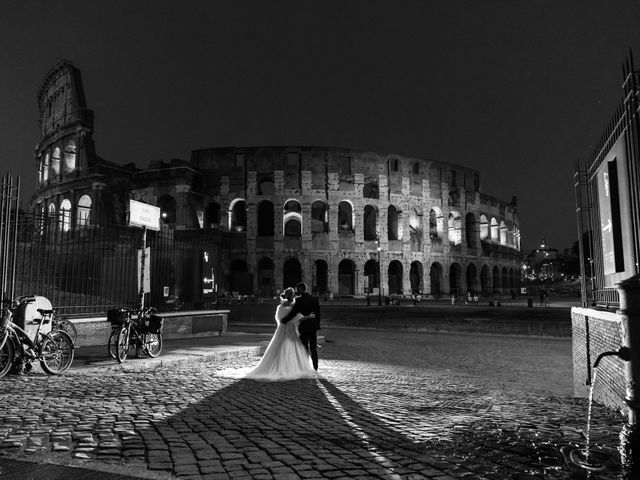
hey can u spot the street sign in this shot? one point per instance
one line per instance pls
(144, 215)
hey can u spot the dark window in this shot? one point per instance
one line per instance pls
(393, 164)
(239, 160)
(293, 159)
(416, 168)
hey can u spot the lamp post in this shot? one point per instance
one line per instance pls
(379, 273)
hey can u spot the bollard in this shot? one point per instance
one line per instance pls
(629, 291)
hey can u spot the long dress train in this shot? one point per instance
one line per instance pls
(285, 358)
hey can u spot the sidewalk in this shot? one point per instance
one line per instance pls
(174, 352)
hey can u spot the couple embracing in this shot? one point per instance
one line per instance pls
(292, 352)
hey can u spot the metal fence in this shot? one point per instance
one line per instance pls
(91, 269)
(9, 202)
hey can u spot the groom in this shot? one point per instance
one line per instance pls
(309, 325)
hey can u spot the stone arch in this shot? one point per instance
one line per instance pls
(65, 215)
(484, 227)
(455, 279)
(455, 228)
(238, 215)
(293, 225)
(265, 218)
(239, 277)
(371, 271)
(470, 226)
(503, 233)
(370, 222)
(392, 223)
(45, 168)
(415, 277)
(167, 209)
(321, 280)
(55, 162)
(212, 215)
(495, 230)
(266, 277)
(319, 217)
(291, 273)
(395, 275)
(345, 216)
(435, 279)
(415, 229)
(292, 218)
(346, 277)
(436, 224)
(83, 211)
(69, 157)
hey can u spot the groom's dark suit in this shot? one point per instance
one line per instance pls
(306, 305)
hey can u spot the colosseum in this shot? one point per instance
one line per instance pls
(344, 221)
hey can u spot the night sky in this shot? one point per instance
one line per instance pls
(516, 89)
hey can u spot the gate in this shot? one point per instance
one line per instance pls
(9, 203)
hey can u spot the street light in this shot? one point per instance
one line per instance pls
(379, 273)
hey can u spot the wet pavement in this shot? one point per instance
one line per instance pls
(386, 405)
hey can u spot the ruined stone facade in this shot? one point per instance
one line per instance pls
(278, 215)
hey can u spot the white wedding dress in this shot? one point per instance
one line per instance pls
(285, 358)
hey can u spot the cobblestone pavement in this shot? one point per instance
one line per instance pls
(387, 405)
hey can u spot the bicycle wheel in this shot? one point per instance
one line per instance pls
(153, 344)
(122, 344)
(7, 354)
(66, 326)
(111, 343)
(57, 352)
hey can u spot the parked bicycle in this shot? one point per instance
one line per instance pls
(27, 336)
(134, 328)
(64, 324)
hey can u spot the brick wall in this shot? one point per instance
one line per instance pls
(594, 332)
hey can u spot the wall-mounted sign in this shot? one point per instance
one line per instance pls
(208, 282)
(609, 203)
(144, 215)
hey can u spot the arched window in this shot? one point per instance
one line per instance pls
(470, 227)
(484, 227)
(503, 233)
(265, 185)
(292, 219)
(45, 168)
(65, 215)
(415, 229)
(392, 223)
(345, 217)
(55, 162)
(370, 222)
(69, 160)
(83, 211)
(292, 227)
(346, 277)
(455, 228)
(436, 223)
(319, 217)
(495, 230)
(238, 215)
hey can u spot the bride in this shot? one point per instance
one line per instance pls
(285, 358)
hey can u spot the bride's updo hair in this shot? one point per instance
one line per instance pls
(287, 295)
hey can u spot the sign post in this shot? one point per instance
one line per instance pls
(145, 216)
